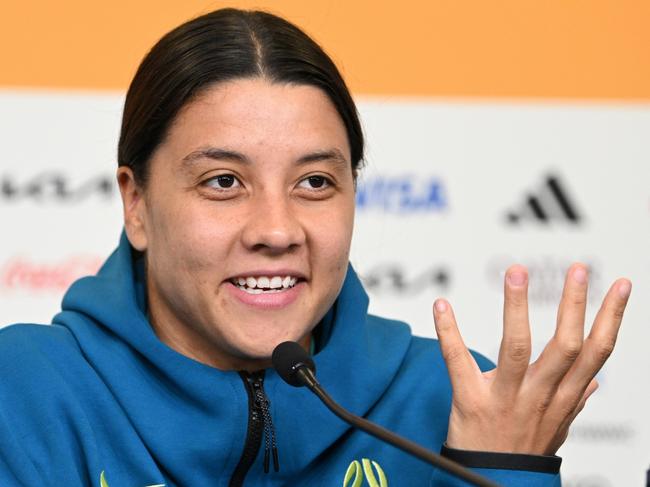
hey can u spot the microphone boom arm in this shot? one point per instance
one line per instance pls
(308, 378)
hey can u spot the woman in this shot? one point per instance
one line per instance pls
(238, 155)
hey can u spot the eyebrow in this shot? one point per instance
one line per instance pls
(324, 155)
(215, 153)
(221, 154)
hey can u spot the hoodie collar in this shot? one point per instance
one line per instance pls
(107, 315)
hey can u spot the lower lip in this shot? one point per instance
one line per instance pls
(267, 300)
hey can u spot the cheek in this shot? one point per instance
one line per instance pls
(332, 239)
(190, 237)
(331, 255)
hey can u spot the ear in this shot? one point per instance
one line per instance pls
(135, 208)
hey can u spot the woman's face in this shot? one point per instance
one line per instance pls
(246, 220)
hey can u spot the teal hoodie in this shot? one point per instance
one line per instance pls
(96, 399)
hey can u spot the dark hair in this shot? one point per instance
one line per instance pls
(220, 46)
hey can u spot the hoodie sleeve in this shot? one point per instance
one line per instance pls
(505, 478)
(16, 469)
(503, 468)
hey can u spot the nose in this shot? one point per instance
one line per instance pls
(273, 226)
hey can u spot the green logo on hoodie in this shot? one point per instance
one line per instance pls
(357, 472)
(103, 483)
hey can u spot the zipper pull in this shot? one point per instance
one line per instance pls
(270, 445)
(276, 461)
(266, 459)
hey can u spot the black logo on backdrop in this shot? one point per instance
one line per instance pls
(550, 202)
(54, 186)
(394, 279)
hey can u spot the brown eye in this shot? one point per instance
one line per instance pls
(223, 181)
(315, 182)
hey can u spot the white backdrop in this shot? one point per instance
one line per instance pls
(452, 194)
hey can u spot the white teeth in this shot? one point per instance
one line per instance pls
(260, 291)
(257, 285)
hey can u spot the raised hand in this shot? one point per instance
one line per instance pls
(521, 407)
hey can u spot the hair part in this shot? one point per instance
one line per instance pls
(221, 46)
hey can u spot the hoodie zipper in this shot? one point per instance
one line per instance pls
(259, 424)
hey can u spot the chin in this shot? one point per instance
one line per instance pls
(262, 345)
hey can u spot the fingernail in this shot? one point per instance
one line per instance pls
(441, 306)
(517, 278)
(580, 275)
(624, 289)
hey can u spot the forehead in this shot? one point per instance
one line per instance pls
(256, 115)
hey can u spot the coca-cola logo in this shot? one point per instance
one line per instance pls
(55, 186)
(22, 273)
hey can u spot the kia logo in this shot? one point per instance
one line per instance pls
(393, 278)
(53, 186)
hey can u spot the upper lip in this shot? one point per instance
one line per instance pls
(270, 273)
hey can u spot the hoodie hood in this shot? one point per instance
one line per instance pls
(185, 411)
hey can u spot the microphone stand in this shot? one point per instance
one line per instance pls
(308, 378)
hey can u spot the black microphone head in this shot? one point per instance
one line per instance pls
(287, 358)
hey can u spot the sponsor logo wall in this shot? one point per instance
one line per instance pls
(59, 205)
(452, 194)
(542, 185)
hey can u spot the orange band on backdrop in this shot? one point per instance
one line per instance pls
(512, 48)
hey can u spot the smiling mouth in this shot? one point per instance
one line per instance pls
(264, 284)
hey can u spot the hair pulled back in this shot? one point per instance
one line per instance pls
(221, 46)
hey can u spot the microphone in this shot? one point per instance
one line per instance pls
(297, 369)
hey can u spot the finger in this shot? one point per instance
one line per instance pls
(561, 352)
(602, 338)
(514, 353)
(591, 388)
(563, 429)
(463, 370)
(586, 394)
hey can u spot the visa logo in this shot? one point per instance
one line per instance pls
(401, 194)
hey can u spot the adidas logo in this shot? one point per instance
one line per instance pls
(549, 203)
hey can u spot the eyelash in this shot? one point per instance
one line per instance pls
(230, 177)
(326, 183)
